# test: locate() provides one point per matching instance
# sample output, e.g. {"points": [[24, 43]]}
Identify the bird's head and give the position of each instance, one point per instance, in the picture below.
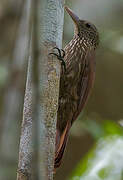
{"points": [[84, 29]]}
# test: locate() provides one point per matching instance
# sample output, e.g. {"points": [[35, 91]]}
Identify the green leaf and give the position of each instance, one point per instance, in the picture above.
{"points": [[105, 160]]}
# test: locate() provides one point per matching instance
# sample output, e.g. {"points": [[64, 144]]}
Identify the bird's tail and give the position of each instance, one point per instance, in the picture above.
{"points": [[61, 141]]}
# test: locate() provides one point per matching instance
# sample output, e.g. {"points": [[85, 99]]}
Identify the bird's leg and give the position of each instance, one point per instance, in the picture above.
{"points": [[60, 56]]}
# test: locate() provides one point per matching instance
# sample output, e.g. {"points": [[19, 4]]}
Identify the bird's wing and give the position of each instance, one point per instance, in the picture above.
{"points": [[83, 90], [86, 81]]}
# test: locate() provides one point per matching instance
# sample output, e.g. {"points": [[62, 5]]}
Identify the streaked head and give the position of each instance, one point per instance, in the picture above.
{"points": [[84, 29]]}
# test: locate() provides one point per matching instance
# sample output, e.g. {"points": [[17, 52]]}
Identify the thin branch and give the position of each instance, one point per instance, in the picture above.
{"points": [[13, 99]]}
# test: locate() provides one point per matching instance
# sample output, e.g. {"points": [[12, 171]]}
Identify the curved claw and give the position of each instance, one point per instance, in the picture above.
{"points": [[63, 53], [54, 54], [60, 56], [58, 51], [63, 64]]}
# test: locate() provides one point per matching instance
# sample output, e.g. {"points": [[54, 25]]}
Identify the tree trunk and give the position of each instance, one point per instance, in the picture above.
{"points": [[37, 143]]}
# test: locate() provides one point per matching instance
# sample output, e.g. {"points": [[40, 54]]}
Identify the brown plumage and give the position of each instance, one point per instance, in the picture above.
{"points": [[77, 81]]}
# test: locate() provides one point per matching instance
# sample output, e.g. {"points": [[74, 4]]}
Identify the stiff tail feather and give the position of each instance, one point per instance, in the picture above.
{"points": [[60, 145]]}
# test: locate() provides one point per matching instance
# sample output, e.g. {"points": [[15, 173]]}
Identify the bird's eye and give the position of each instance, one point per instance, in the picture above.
{"points": [[87, 25]]}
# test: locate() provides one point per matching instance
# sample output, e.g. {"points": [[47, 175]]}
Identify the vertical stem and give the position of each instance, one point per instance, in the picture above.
{"points": [[42, 91], [51, 28], [13, 99]]}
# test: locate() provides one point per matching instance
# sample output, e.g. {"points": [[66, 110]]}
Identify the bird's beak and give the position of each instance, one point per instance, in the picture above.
{"points": [[74, 17]]}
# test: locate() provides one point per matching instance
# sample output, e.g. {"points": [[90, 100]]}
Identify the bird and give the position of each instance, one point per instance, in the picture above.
{"points": [[76, 79]]}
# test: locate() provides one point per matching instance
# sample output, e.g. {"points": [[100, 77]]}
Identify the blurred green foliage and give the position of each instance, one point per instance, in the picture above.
{"points": [[105, 159], [106, 128]]}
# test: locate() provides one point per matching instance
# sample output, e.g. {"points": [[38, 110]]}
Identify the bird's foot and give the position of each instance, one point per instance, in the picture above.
{"points": [[60, 56]]}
